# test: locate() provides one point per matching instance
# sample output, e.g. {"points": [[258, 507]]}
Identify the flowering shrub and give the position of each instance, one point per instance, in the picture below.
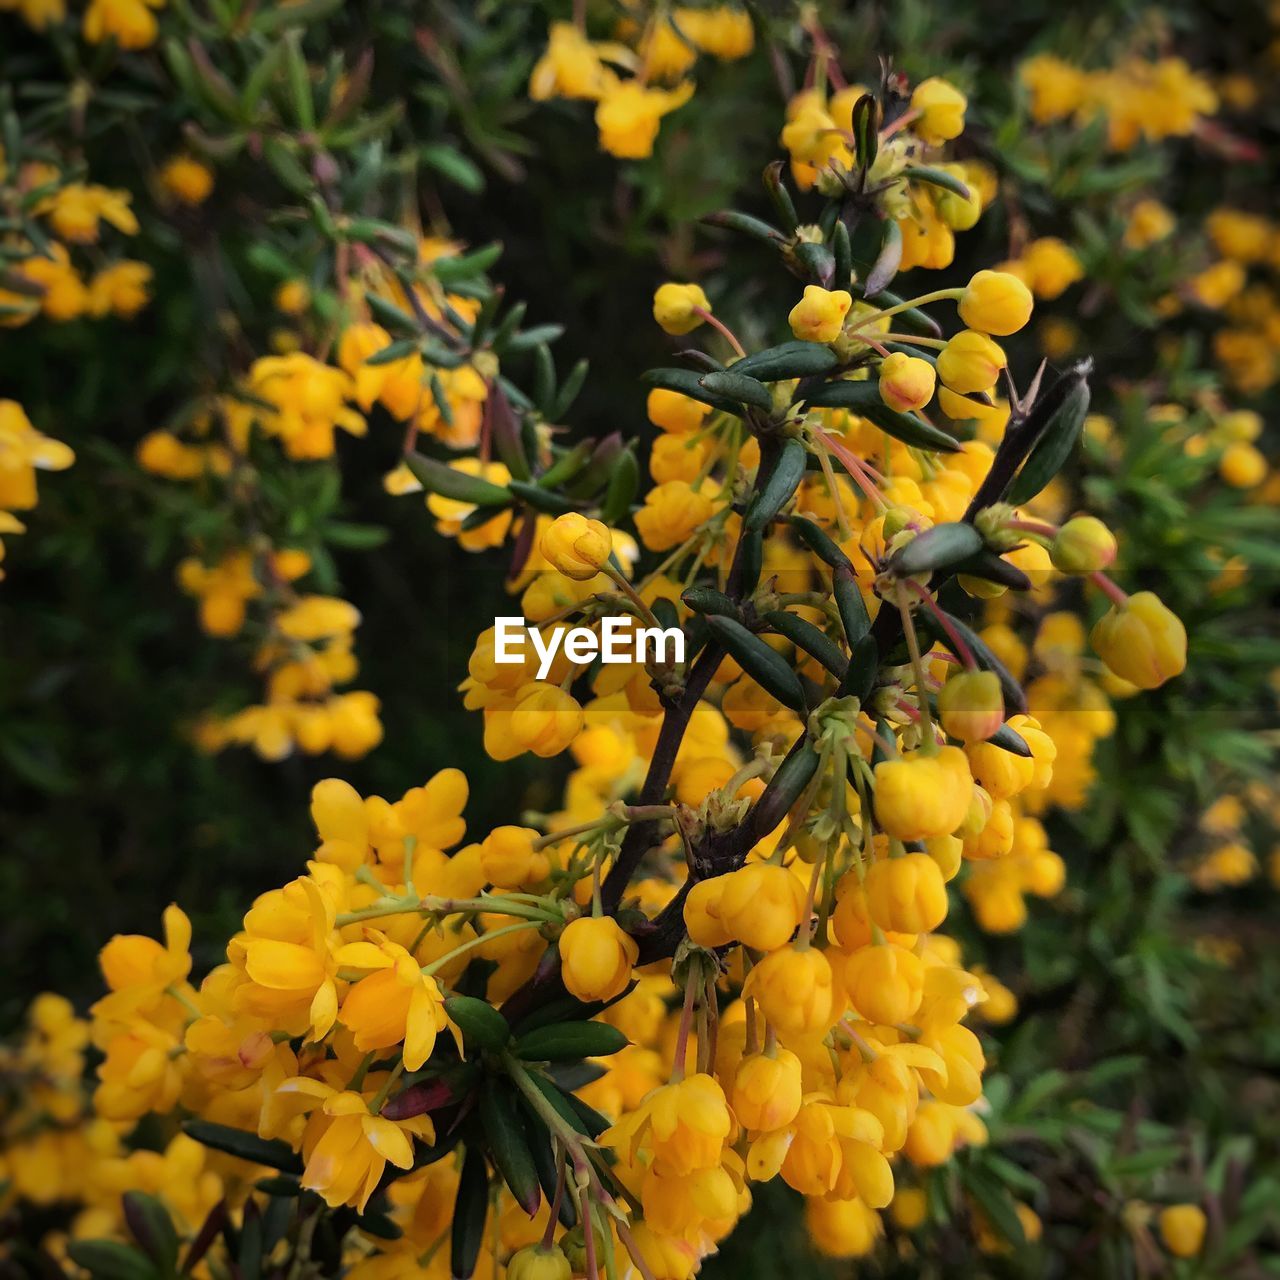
{"points": [[961, 630]]}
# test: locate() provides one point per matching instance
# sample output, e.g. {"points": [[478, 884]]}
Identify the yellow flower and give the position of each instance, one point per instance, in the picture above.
{"points": [[906, 382], [596, 956], [1141, 641], [1052, 266], [570, 67], [1057, 88], [539, 1262], [684, 1124], [970, 362], [23, 452], [919, 796], [1182, 1228], [671, 411], [671, 513], [138, 970], [509, 859], [292, 297], [285, 953], [39, 15], [724, 32], [308, 403], [187, 178], [1083, 545], [579, 548], [544, 719], [819, 315], [941, 106], [345, 1147], [395, 1004], [1149, 223], [794, 990], [74, 211], [674, 307], [760, 905], [122, 288], [885, 983], [996, 302], [628, 115], [130, 23], [906, 894], [971, 706], [767, 1090]]}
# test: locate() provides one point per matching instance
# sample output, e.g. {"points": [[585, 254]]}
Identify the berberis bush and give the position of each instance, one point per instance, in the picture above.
{"points": [[890, 908]]}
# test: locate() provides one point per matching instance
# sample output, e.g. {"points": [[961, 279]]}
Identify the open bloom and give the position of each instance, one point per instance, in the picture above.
{"points": [[346, 1147]]}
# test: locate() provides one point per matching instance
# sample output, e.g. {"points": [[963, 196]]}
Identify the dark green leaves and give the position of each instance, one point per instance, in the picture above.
{"points": [[245, 1146], [689, 383], [482, 1026], [469, 1210], [779, 488], [738, 386], [941, 547], [787, 360], [505, 1134], [570, 1041], [1056, 439], [439, 477], [766, 667]]}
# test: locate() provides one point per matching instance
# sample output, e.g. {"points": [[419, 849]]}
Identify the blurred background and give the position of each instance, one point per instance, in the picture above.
{"points": [[1145, 989]]}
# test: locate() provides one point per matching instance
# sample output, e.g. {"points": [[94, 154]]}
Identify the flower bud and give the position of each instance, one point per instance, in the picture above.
{"points": [[941, 106], [906, 382], [1083, 545], [920, 796], [539, 1262], [767, 1091], [545, 719], [509, 860], [760, 905], [1141, 641], [907, 894], [578, 547], [673, 307], [793, 989], [971, 706], [819, 315], [996, 302], [1182, 1229], [884, 983], [596, 956], [970, 362]]}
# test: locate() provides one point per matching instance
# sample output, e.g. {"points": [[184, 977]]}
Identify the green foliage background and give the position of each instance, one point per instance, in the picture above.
{"points": [[1135, 1067]]}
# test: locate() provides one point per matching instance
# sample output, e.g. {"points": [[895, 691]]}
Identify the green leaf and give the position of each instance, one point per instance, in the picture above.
{"points": [[795, 359], [780, 487], [504, 1132], [460, 170], [110, 1260], [938, 178], [243, 1145], [150, 1225], [689, 383], [765, 666], [439, 477], [570, 1041], [740, 387], [940, 547], [482, 1026]]}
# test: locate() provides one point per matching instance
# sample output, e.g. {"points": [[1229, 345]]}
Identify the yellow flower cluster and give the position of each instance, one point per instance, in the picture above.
{"points": [[46, 280], [1137, 98], [627, 77], [130, 24]]}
